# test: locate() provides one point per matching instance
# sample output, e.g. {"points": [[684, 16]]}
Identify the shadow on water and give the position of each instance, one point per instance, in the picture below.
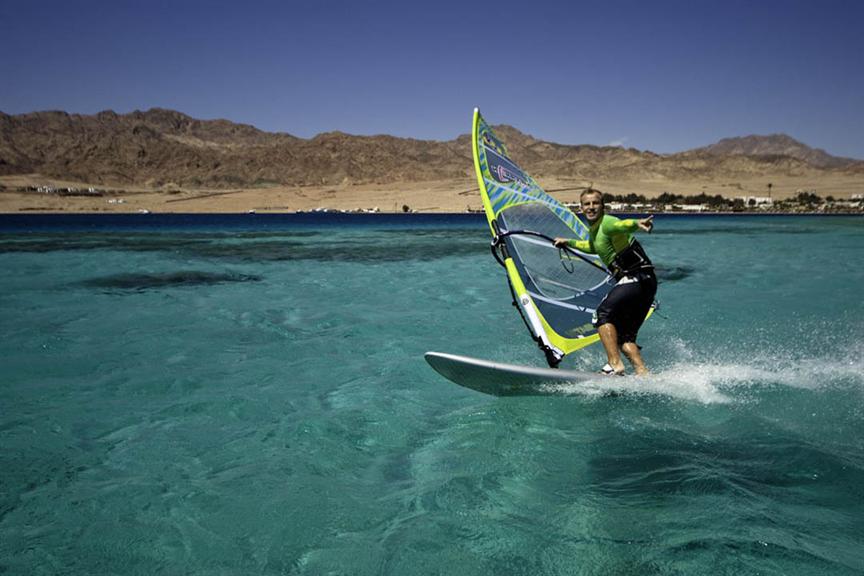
{"points": [[673, 273], [141, 282]]}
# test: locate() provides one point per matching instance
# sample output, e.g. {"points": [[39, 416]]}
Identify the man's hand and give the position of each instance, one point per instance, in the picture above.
{"points": [[560, 242], [646, 224]]}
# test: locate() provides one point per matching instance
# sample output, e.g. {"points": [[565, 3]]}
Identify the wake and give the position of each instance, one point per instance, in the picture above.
{"points": [[707, 382]]}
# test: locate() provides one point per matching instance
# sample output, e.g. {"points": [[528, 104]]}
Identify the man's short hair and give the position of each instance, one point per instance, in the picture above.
{"points": [[591, 191]]}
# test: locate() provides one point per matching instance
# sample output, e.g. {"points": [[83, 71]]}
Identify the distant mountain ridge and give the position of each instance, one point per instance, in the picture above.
{"points": [[776, 145], [165, 148]]}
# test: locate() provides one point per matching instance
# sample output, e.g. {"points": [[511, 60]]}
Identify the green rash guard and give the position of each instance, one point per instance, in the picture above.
{"points": [[607, 237]]}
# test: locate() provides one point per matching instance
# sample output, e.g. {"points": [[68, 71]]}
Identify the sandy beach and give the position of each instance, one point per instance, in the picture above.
{"points": [[454, 195]]}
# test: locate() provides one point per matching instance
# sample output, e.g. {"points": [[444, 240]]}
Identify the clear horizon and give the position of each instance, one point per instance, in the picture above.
{"points": [[664, 77]]}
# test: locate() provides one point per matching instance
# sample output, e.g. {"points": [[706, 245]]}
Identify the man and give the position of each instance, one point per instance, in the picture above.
{"points": [[625, 307]]}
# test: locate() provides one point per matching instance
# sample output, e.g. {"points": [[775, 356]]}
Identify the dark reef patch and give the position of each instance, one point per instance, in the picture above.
{"points": [[141, 282], [422, 245]]}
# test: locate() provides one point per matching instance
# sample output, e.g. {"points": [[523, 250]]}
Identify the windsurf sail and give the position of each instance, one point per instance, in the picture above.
{"points": [[556, 290]]}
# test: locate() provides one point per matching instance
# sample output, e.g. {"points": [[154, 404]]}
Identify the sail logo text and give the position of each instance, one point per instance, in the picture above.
{"points": [[505, 174]]}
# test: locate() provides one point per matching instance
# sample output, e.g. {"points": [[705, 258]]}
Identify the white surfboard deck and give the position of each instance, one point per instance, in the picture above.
{"points": [[500, 379]]}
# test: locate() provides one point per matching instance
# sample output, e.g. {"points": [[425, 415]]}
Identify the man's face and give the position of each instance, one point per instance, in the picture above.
{"points": [[592, 207]]}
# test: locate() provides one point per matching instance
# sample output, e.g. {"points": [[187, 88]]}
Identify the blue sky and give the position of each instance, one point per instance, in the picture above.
{"points": [[656, 75]]}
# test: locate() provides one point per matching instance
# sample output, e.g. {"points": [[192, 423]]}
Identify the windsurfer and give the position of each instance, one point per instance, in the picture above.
{"points": [[621, 313]]}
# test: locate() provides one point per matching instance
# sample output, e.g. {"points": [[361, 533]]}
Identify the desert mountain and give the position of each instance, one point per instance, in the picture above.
{"points": [[163, 148], [776, 145]]}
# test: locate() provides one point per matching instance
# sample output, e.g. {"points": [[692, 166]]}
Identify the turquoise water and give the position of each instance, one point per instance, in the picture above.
{"points": [[249, 396]]}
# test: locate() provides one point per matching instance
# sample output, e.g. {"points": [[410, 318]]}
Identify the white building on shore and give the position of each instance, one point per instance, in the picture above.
{"points": [[758, 201]]}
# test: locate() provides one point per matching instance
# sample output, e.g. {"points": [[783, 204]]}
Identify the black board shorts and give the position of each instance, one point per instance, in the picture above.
{"points": [[627, 304]]}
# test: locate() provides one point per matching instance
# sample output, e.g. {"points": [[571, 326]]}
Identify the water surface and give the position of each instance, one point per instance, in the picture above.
{"points": [[235, 395]]}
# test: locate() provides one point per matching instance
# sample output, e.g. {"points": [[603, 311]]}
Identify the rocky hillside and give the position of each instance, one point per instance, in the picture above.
{"points": [[164, 149], [776, 145]]}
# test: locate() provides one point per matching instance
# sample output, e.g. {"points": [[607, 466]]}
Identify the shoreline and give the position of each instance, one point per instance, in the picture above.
{"points": [[22, 195]]}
